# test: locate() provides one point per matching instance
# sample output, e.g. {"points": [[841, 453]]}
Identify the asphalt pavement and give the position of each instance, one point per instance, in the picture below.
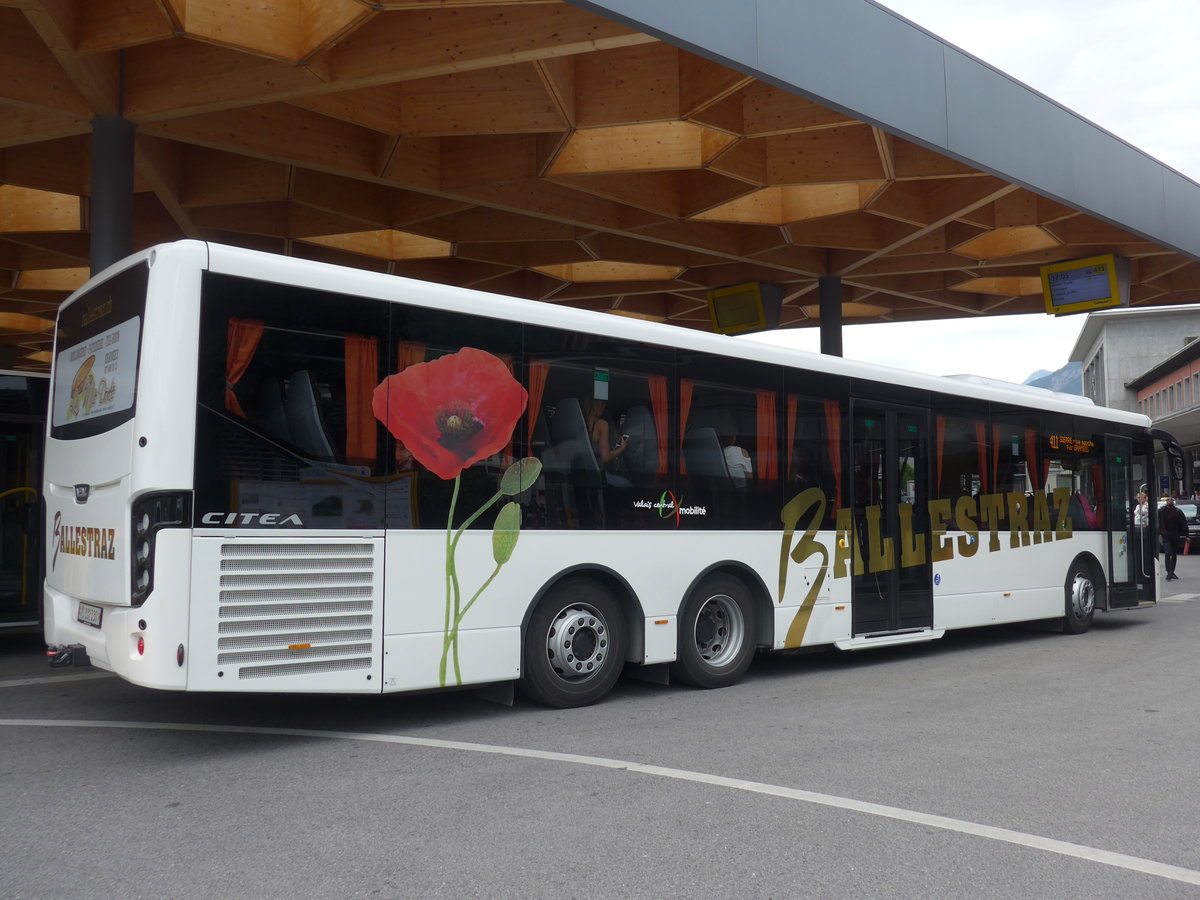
{"points": [[995, 763]]}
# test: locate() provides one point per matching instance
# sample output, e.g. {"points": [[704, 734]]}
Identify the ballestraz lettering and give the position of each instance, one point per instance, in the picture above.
{"points": [[83, 540]]}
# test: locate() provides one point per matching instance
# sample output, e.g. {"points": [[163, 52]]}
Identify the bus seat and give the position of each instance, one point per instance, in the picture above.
{"points": [[704, 456], [641, 457], [304, 419], [269, 412], [570, 444]]}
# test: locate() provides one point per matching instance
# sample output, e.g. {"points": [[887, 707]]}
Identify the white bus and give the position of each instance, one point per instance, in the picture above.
{"points": [[268, 474]]}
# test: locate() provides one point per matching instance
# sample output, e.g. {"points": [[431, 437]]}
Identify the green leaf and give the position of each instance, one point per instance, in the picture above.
{"points": [[506, 532], [520, 476]]}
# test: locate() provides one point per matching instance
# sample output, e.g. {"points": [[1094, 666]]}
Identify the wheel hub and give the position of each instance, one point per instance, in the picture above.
{"points": [[1083, 596], [577, 643], [719, 631]]}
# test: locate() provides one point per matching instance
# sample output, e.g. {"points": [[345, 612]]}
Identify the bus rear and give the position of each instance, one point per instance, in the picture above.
{"points": [[117, 515]]}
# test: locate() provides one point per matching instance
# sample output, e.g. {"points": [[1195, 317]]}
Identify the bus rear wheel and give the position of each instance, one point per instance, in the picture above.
{"points": [[574, 646], [1080, 600], [717, 630]]}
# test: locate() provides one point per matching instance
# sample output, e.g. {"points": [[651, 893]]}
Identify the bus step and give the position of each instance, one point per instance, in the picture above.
{"points": [[890, 639]]}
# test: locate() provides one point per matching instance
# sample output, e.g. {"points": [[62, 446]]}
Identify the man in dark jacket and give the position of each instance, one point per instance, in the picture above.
{"points": [[1172, 525]]}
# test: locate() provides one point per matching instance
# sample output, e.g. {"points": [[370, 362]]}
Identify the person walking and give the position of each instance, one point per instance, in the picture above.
{"points": [[1173, 527]]}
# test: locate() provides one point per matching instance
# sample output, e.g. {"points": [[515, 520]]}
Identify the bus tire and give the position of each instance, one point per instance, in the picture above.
{"points": [[574, 645], [717, 633], [1080, 600]]}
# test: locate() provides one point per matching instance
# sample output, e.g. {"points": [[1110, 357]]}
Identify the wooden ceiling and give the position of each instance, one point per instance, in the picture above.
{"points": [[524, 147]]}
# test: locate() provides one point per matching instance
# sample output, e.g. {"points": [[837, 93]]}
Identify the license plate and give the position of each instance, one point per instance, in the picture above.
{"points": [[90, 615]]}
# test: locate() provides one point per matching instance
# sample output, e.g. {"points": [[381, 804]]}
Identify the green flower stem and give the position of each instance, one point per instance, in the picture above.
{"points": [[454, 614], [458, 619], [451, 579]]}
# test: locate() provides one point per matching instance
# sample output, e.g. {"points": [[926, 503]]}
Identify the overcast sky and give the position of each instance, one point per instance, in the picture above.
{"points": [[1130, 66]]}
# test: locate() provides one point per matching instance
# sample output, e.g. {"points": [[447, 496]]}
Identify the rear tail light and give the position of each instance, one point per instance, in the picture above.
{"points": [[150, 514]]}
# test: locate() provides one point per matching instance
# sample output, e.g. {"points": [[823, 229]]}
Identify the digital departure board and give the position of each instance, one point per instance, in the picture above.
{"points": [[1082, 285]]}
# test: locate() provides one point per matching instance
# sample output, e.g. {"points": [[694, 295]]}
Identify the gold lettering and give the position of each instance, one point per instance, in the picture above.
{"points": [[1062, 503], [912, 545], [808, 500], [1018, 519], [940, 511], [1041, 518], [881, 552], [965, 511], [991, 511]]}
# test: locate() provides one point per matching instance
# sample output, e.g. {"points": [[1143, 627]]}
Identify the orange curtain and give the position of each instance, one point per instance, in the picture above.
{"points": [[241, 341], [362, 374], [833, 436], [793, 405], [685, 406], [1031, 465], [408, 353], [768, 443], [940, 437], [658, 406], [537, 372], [981, 450]]}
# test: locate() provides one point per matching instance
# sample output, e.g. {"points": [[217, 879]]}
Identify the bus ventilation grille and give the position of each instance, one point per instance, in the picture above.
{"points": [[296, 609]]}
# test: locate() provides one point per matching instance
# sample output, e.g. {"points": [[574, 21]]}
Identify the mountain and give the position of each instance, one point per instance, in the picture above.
{"points": [[1067, 380]]}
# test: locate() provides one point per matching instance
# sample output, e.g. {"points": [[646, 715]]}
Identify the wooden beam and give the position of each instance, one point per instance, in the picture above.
{"points": [[504, 100], [657, 192], [52, 165], [29, 210], [377, 108], [20, 126], [282, 133], [105, 25], [30, 76], [368, 204], [703, 83], [768, 110], [828, 156], [97, 76], [524, 254], [558, 79], [157, 162], [215, 178], [631, 84], [477, 226]]}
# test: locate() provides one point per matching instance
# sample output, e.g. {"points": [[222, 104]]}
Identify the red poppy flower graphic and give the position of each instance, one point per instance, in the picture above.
{"points": [[453, 411]]}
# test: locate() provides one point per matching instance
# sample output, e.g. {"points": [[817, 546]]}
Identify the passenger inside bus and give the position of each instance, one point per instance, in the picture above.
{"points": [[601, 430]]}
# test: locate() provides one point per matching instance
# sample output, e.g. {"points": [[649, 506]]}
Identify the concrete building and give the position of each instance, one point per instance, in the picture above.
{"points": [[1148, 361]]}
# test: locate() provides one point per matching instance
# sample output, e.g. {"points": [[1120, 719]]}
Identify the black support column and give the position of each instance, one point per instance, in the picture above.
{"points": [[830, 287], [110, 220]]}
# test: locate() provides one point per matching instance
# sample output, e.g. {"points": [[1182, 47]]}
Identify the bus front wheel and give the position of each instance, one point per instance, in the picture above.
{"points": [[717, 634], [1080, 598], [574, 645]]}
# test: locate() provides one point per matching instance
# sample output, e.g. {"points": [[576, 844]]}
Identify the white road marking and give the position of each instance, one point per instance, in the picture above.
{"points": [[52, 679], [1033, 841]]}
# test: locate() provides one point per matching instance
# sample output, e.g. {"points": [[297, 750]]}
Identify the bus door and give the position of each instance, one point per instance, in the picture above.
{"points": [[20, 532], [1131, 547], [890, 446]]}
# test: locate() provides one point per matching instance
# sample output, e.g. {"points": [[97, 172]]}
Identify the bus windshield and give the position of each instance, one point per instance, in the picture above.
{"points": [[96, 365]]}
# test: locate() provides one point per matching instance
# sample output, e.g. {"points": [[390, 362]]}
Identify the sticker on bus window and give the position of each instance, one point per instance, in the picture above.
{"points": [[97, 376]]}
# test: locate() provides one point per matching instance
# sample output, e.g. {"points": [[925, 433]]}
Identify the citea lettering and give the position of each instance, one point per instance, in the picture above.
{"points": [[82, 540], [266, 520]]}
